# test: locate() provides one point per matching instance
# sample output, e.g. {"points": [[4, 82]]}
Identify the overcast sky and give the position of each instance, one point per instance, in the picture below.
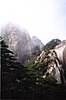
{"points": [[45, 19]]}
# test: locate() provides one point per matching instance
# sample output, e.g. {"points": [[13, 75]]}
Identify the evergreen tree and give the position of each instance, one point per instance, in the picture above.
{"points": [[12, 72]]}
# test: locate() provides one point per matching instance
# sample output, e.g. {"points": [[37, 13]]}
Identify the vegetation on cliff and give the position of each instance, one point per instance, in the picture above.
{"points": [[25, 81]]}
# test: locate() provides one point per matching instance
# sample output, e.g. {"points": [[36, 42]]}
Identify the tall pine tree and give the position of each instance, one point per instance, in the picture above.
{"points": [[12, 73]]}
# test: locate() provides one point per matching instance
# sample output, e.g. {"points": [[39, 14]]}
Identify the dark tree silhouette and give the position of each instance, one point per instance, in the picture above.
{"points": [[12, 73]]}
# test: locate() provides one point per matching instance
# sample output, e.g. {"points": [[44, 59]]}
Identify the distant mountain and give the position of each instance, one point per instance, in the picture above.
{"points": [[19, 41], [51, 44], [37, 42]]}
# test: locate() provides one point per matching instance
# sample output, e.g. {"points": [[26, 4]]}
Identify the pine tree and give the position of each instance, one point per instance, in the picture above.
{"points": [[12, 73]]}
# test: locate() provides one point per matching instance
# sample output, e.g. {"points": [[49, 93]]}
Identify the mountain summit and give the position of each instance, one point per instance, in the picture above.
{"points": [[19, 41]]}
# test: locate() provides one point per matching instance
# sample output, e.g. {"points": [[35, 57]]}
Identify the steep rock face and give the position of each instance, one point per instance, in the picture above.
{"points": [[64, 55], [56, 62], [18, 41], [60, 50], [41, 57], [64, 61], [37, 42]]}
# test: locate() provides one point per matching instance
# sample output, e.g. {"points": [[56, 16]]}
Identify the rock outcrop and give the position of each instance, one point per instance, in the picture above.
{"points": [[60, 51], [56, 62], [64, 56], [41, 57]]}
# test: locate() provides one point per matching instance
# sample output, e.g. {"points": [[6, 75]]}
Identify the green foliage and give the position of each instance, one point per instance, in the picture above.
{"points": [[50, 80], [51, 44], [26, 83]]}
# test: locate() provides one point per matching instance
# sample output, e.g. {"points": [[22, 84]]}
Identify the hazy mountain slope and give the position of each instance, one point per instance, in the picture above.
{"points": [[19, 41], [37, 42]]}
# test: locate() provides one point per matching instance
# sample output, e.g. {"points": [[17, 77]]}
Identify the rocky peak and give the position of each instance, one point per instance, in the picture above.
{"points": [[37, 42], [19, 41]]}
